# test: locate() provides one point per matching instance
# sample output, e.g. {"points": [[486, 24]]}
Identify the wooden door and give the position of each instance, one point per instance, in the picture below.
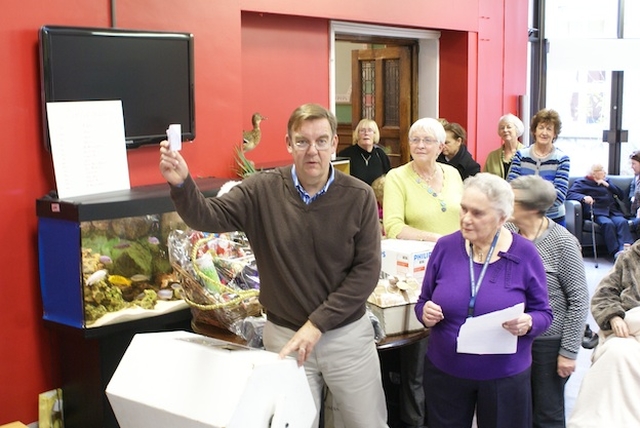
{"points": [[382, 91]]}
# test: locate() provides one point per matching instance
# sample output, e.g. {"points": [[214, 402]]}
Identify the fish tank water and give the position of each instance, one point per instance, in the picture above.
{"points": [[126, 270]]}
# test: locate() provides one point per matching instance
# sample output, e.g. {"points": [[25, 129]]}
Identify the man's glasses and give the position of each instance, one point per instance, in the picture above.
{"points": [[319, 145]]}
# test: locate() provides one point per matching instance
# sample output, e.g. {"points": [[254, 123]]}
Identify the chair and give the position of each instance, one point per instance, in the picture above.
{"points": [[579, 220]]}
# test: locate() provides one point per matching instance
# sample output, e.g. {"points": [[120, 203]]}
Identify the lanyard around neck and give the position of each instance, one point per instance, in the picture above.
{"points": [[476, 286]]}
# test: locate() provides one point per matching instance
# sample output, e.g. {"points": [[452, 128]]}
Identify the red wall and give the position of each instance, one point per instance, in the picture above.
{"points": [[455, 90], [27, 354], [251, 55], [284, 64]]}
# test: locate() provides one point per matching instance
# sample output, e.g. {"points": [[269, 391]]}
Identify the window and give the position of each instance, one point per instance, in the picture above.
{"points": [[583, 52]]}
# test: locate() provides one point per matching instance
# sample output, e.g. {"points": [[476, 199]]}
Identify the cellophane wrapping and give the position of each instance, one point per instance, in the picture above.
{"points": [[219, 277]]}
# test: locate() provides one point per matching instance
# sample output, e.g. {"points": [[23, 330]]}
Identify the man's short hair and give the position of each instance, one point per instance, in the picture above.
{"points": [[311, 112]]}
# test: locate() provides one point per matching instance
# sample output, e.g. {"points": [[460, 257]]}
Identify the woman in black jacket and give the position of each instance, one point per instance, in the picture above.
{"points": [[367, 160], [455, 151]]}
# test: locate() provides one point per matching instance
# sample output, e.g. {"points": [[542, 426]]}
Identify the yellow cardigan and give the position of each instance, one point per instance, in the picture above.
{"points": [[407, 202]]}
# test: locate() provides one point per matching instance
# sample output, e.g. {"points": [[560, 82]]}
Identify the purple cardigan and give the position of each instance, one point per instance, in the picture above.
{"points": [[518, 276]]}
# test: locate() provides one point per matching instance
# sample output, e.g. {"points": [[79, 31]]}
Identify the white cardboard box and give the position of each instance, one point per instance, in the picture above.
{"points": [[397, 319], [181, 379], [403, 257]]}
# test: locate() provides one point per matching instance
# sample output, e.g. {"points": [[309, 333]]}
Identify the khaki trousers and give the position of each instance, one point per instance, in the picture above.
{"points": [[346, 360]]}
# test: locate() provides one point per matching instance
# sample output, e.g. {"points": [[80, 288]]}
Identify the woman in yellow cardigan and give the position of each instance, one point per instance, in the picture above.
{"points": [[510, 128], [422, 197]]}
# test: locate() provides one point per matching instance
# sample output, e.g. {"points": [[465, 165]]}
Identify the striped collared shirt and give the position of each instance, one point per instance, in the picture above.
{"points": [[306, 198]]}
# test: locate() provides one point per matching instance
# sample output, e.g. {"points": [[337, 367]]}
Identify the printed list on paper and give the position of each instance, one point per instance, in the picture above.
{"points": [[88, 147]]}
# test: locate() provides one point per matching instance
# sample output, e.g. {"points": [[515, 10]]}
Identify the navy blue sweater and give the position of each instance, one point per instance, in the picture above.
{"points": [[604, 203]]}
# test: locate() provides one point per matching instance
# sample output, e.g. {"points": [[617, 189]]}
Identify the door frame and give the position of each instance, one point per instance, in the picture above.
{"points": [[428, 60]]}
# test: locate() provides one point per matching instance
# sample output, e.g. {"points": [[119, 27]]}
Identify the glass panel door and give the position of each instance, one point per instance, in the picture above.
{"points": [[579, 87], [630, 122], [592, 75], [582, 98]]}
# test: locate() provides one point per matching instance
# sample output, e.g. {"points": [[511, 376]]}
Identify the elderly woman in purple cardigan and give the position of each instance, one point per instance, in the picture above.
{"points": [[481, 269]]}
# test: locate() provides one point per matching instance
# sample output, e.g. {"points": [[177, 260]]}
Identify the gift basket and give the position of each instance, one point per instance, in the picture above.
{"points": [[219, 278]]}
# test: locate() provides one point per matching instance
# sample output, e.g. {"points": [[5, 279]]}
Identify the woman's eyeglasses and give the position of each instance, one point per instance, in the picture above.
{"points": [[415, 141]]}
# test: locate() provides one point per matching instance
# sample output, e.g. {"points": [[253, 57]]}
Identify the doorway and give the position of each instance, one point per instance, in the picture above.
{"points": [[383, 89], [401, 66]]}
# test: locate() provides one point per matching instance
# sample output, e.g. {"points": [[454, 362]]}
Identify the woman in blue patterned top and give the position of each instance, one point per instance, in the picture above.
{"points": [[544, 159]]}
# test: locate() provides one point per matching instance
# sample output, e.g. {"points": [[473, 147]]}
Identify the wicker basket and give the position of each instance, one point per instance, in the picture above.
{"points": [[205, 309]]}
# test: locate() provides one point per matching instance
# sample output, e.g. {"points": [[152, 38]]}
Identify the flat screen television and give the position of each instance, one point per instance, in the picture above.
{"points": [[150, 71]]}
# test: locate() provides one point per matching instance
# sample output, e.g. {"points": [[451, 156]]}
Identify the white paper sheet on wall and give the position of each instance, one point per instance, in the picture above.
{"points": [[88, 147]]}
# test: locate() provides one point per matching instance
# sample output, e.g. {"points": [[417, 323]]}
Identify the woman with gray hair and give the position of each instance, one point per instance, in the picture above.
{"points": [[510, 128], [555, 351], [422, 197], [479, 270]]}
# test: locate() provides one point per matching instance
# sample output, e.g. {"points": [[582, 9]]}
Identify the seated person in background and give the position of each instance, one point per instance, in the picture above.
{"points": [[610, 389], [597, 191], [367, 161], [634, 190], [455, 151]]}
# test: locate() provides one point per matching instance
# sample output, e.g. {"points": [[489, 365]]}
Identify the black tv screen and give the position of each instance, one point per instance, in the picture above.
{"points": [[150, 71]]}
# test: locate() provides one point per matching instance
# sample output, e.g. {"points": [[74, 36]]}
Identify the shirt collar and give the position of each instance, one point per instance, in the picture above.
{"points": [[306, 198]]}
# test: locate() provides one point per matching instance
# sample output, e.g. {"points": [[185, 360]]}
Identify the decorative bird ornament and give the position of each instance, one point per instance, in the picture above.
{"points": [[250, 139]]}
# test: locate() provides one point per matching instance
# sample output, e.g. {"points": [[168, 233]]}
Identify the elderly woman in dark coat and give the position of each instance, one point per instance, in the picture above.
{"points": [[455, 151]]}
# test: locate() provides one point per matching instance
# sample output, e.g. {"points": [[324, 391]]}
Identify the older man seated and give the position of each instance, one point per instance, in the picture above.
{"points": [[597, 191]]}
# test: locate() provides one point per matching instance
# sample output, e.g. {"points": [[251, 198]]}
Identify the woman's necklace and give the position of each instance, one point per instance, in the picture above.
{"points": [[544, 220], [426, 184], [366, 159], [540, 155], [539, 231], [507, 158]]}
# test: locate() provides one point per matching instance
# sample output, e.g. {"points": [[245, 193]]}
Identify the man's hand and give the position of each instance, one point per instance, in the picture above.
{"points": [[303, 341], [588, 200], [172, 165]]}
